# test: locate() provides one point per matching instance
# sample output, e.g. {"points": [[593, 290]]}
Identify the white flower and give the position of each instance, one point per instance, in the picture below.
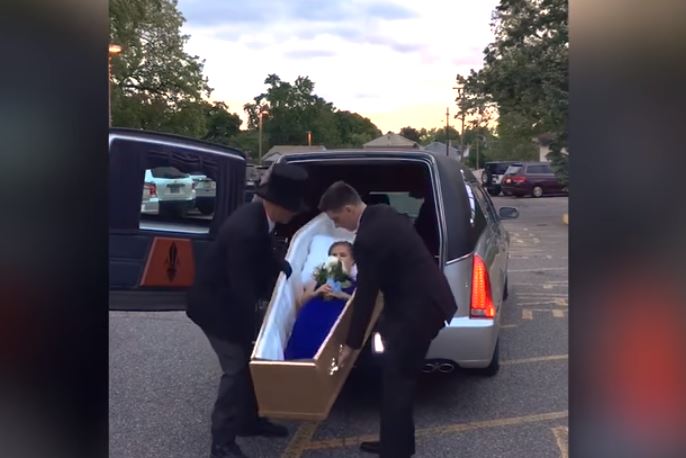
{"points": [[331, 261]]}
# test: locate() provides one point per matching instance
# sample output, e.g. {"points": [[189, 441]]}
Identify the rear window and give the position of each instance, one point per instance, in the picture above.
{"points": [[542, 168], [170, 173], [497, 169], [403, 202], [513, 169]]}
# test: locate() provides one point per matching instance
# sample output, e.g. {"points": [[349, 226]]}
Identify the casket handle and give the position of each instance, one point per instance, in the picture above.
{"points": [[334, 367]]}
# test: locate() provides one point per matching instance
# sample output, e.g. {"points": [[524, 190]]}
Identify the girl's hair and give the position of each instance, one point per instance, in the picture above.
{"points": [[340, 243]]}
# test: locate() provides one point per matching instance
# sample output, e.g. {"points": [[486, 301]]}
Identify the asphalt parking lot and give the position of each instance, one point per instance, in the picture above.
{"points": [[163, 375]]}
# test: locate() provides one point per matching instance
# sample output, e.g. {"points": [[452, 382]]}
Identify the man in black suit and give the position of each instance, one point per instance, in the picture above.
{"points": [[392, 258], [239, 268]]}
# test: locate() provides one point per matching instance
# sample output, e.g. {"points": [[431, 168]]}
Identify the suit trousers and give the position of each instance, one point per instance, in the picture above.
{"points": [[236, 406], [402, 362]]}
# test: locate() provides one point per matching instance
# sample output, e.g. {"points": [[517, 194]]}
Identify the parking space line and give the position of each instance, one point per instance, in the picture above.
{"points": [[444, 429], [538, 269], [528, 313], [537, 359], [301, 439], [562, 437]]}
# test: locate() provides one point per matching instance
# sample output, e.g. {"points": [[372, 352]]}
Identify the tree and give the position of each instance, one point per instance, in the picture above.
{"points": [[439, 135], [524, 77], [221, 124], [355, 130], [410, 133], [293, 109], [156, 85]]}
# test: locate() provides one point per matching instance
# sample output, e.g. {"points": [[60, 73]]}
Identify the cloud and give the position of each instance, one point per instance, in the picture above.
{"points": [[309, 53], [218, 12], [267, 12], [389, 11]]}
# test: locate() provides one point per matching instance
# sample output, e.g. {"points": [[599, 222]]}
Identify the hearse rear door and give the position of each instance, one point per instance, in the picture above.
{"points": [[156, 230]]}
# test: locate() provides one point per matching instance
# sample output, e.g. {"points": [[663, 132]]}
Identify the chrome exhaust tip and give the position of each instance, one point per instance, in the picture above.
{"points": [[429, 368], [446, 368]]}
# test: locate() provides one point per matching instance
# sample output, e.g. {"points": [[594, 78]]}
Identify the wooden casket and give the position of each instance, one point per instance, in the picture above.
{"points": [[301, 389]]}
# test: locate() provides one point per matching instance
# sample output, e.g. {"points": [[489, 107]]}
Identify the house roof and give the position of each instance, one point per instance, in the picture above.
{"points": [[439, 147], [391, 140]]}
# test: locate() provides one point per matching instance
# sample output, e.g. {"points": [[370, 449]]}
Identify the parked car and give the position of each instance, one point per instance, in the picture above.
{"points": [[456, 218], [531, 179], [152, 259], [493, 174], [205, 192], [174, 189], [150, 203]]}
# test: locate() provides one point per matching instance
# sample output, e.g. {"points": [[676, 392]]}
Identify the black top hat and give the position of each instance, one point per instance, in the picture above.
{"points": [[285, 187]]}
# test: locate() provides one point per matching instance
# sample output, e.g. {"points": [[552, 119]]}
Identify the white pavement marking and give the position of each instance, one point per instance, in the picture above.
{"points": [[562, 438], [528, 313], [541, 269]]}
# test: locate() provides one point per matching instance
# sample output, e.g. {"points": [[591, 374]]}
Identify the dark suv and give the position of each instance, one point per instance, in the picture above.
{"points": [[493, 174], [531, 178]]}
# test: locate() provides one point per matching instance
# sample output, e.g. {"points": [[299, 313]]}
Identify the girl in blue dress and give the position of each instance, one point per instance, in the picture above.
{"points": [[320, 307]]}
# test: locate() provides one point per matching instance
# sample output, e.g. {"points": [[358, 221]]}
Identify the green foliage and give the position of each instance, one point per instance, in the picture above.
{"points": [[221, 124], [248, 142], [355, 130], [292, 109], [524, 76], [410, 133], [439, 135]]}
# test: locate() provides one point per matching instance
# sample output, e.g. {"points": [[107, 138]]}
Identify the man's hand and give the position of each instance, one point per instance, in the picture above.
{"points": [[345, 356], [286, 268]]}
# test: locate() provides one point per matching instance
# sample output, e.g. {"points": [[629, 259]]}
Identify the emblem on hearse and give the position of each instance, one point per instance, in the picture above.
{"points": [[172, 261]]}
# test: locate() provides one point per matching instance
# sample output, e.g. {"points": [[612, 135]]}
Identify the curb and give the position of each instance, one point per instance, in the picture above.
{"points": [[565, 218]]}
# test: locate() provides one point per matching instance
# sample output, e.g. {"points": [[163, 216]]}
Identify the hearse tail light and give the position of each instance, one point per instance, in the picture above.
{"points": [[481, 305]]}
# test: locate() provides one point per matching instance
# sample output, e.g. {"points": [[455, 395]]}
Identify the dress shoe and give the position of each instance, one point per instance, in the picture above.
{"points": [[227, 451], [264, 427], [371, 447]]}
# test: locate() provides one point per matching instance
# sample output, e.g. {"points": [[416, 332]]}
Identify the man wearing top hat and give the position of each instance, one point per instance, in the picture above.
{"points": [[237, 270]]}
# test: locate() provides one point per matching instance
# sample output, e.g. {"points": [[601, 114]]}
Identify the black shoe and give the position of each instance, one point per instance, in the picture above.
{"points": [[264, 427], [371, 447], [227, 451]]}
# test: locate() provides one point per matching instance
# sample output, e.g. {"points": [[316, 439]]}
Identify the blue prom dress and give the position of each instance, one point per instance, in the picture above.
{"points": [[315, 320]]}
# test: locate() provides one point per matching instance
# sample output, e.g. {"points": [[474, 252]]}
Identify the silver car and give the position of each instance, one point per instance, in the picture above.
{"points": [[460, 226]]}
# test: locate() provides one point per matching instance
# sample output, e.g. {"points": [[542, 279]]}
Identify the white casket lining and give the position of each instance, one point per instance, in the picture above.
{"points": [[308, 248]]}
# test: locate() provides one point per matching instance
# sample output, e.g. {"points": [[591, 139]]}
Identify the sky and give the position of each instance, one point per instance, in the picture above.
{"points": [[393, 61]]}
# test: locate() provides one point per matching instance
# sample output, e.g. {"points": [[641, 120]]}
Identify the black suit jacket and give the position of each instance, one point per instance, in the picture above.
{"points": [[392, 258], [238, 269]]}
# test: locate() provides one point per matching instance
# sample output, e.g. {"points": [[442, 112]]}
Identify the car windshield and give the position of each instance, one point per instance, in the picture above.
{"points": [[168, 173], [513, 169]]}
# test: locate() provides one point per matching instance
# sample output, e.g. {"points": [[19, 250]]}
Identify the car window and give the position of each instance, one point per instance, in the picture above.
{"points": [[483, 203], [513, 169], [169, 173], [175, 200], [403, 202], [501, 168], [538, 168]]}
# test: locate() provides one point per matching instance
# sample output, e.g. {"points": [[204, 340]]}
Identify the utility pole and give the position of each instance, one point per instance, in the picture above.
{"points": [[460, 96], [447, 132], [259, 139], [261, 111], [477, 152], [113, 50]]}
